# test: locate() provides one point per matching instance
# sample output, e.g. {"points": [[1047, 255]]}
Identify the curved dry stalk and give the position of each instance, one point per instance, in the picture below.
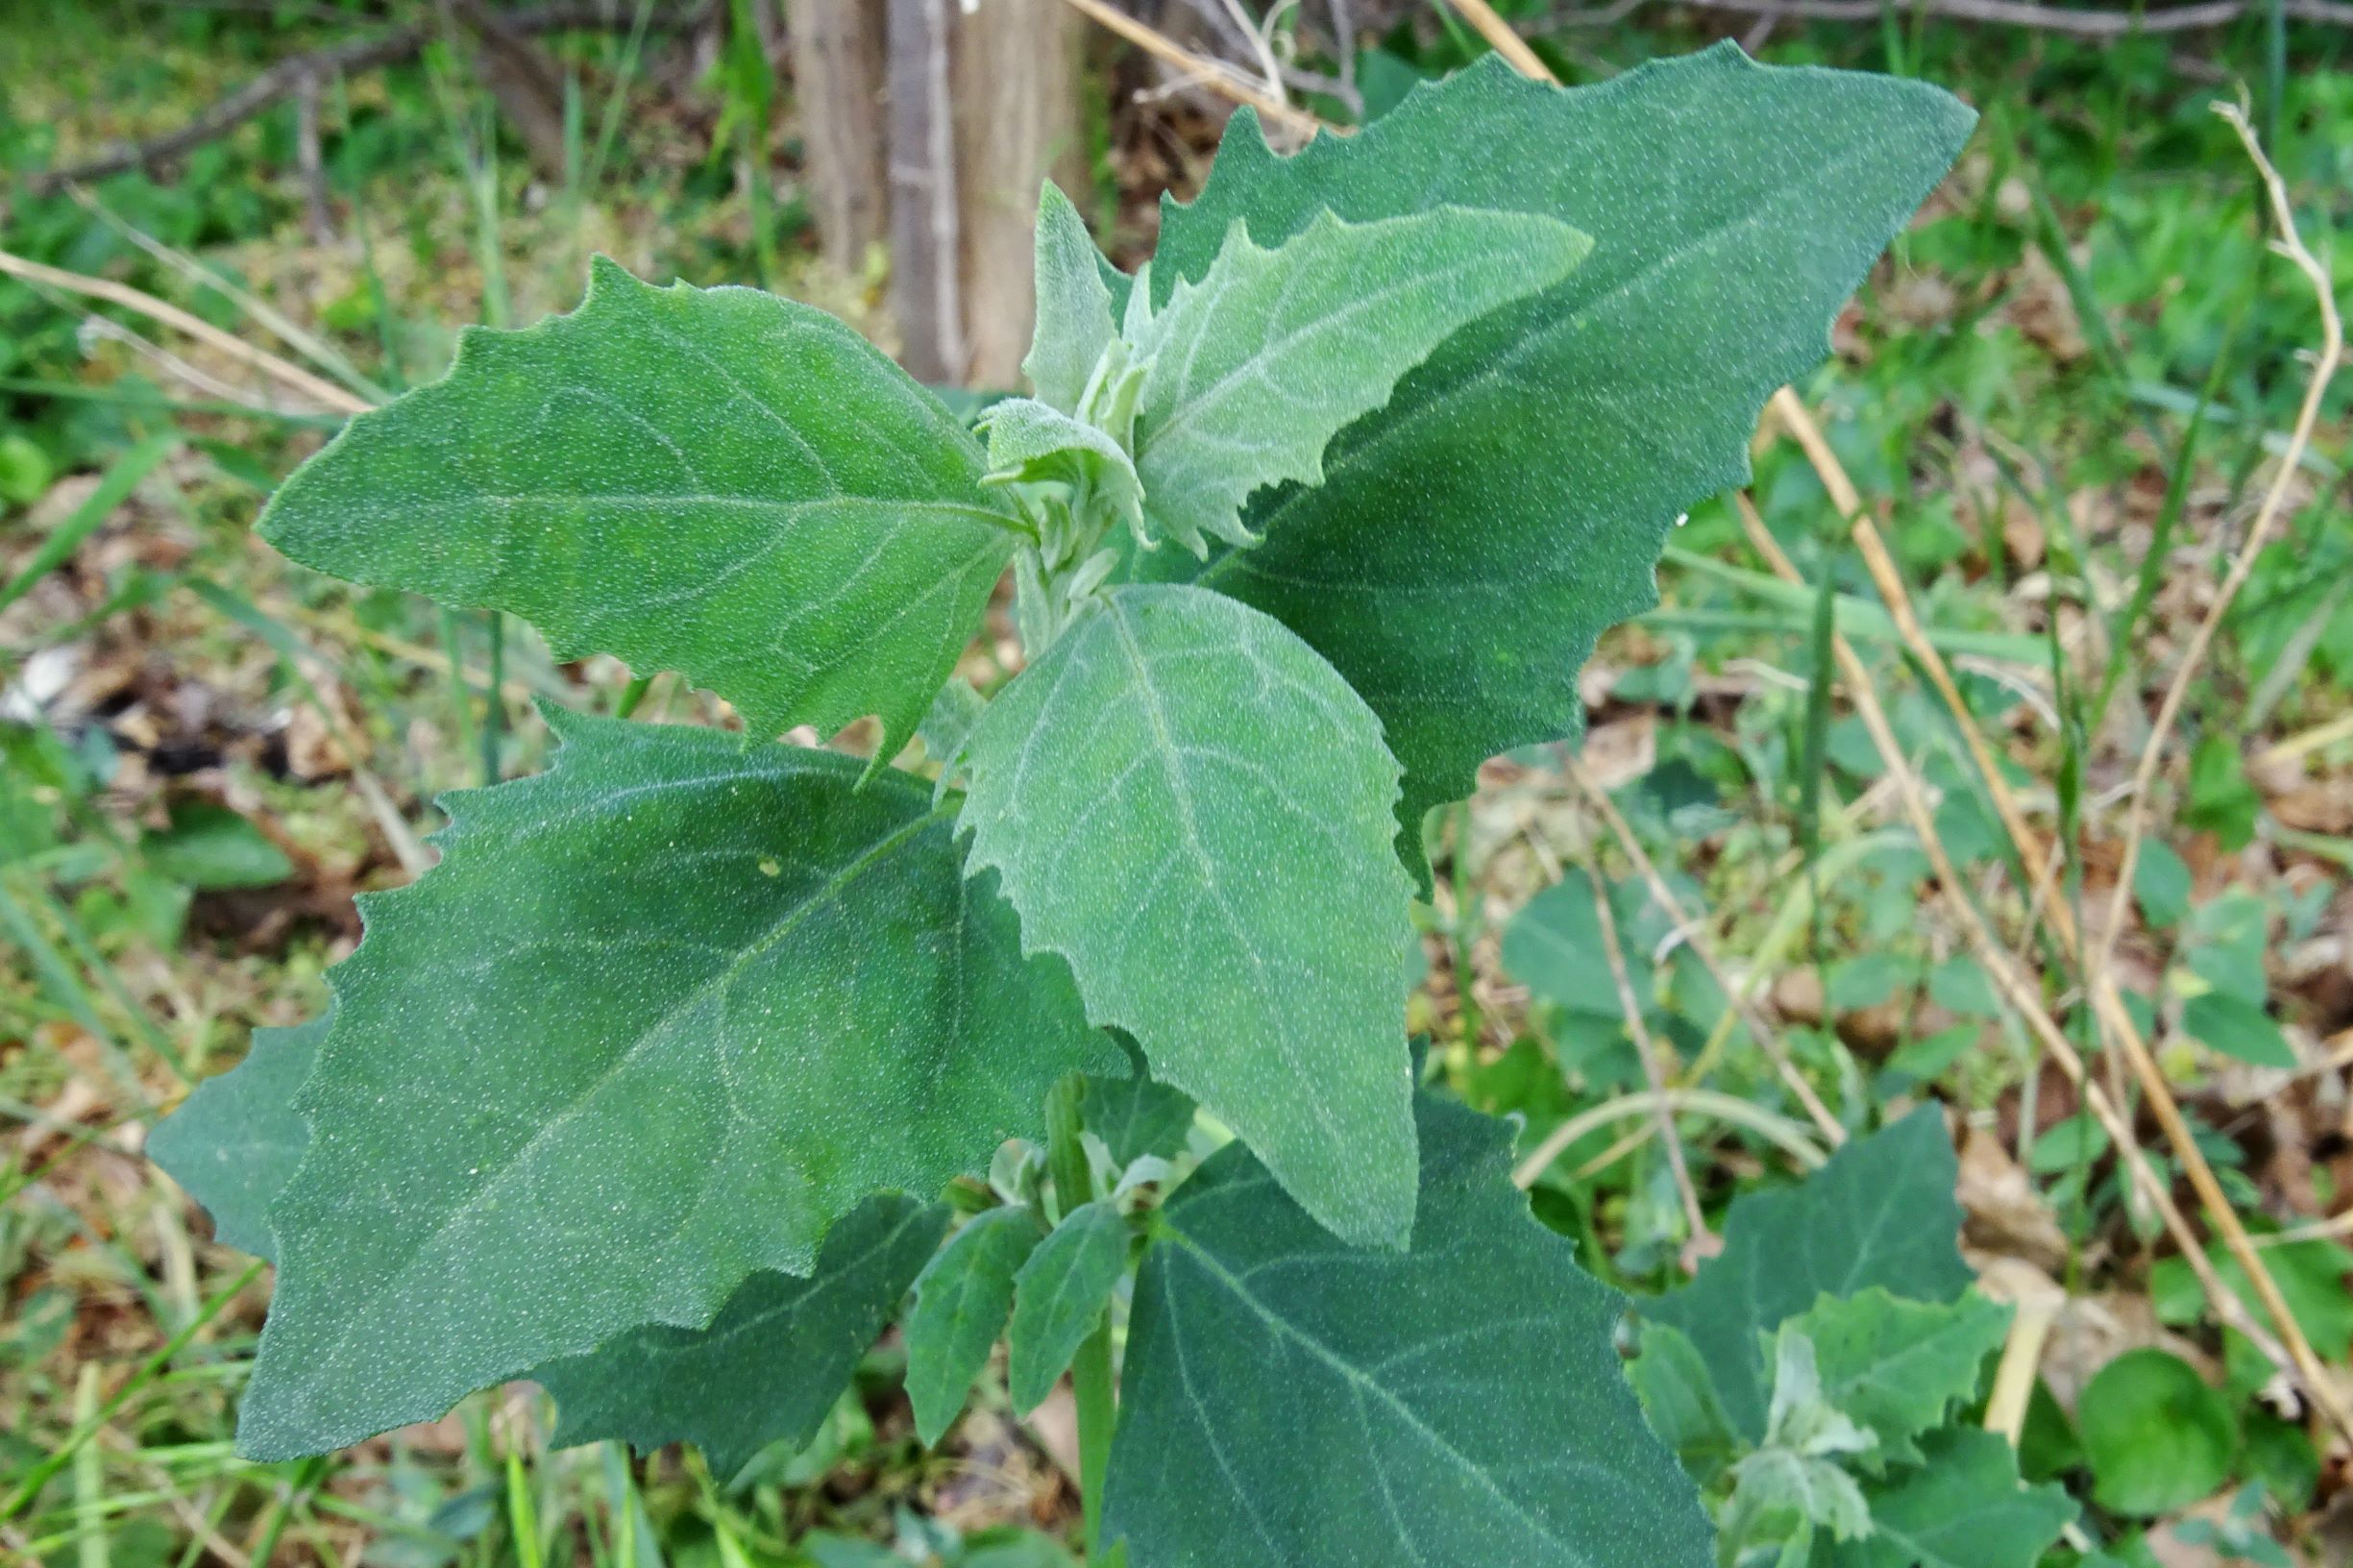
{"points": [[2289, 244], [1736, 997], [1645, 1047], [2021, 993], [326, 394], [1210, 73], [1779, 1131]]}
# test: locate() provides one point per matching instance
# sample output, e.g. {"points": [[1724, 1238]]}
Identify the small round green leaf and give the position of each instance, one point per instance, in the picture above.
{"points": [[2156, 1436]]}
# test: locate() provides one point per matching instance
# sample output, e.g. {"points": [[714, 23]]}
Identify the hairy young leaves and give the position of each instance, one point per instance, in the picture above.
{"points": [[1881, 1213], [1898, 1366], [235, 1142], [1189, 806], [657, 1020], [1290, 1402], [1059, 1297], [962, 1300], [1030, 443], [769, 1365], [1253, 369], [1075, 305], [716, 481], [1473, 536]]}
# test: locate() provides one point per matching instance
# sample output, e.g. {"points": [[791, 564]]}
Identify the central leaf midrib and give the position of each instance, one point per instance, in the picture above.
{"points": [[1165, 748]]}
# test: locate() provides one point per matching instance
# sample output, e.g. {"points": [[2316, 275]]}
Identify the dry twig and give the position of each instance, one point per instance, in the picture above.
{"points": [[288, 77], [1209, 73], [1702, 1241], [1735, 996], [2015, 988], [326, 394]]}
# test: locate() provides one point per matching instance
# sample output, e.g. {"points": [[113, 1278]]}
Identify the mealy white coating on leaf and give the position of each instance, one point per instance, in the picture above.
{"points": [[1253, 369], [660, 1015], [716, 481], [1030, 443], [1074, 315], [1191, 809], [1288, 1402]]}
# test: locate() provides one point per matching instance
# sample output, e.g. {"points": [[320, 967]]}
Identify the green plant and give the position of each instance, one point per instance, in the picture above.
{"points": [[1810, 1377], [645, 1091]]}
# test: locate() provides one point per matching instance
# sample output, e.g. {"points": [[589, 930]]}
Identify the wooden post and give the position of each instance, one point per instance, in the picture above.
{"points": [[926, 293], [838, 55], [1016, 82]]}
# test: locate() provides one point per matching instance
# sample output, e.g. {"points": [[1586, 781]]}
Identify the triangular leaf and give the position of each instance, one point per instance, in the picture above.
{"points": [[1252, 369], [715, 480], [1883, 1213], [1961, 1508], [962, 1300], [1074, 307], [658, 1018], [1288, 1403], [1474, 535], [1059, 1297], [770, 1366], [1898, 1366], [233, 1143], [1192, 809]]}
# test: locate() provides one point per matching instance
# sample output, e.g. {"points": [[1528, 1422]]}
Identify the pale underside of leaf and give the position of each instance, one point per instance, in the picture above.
{"points": [[1189, 806], [716, 481], [1898, 1366], [657, 1020], [1254, 368], [1471, 538], [1074, 312], [1289, 1400]]}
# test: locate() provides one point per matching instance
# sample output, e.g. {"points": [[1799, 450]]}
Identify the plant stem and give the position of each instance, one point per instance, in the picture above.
{"points": [[494, 713], [1091, 1381], [1090, 1373]]}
